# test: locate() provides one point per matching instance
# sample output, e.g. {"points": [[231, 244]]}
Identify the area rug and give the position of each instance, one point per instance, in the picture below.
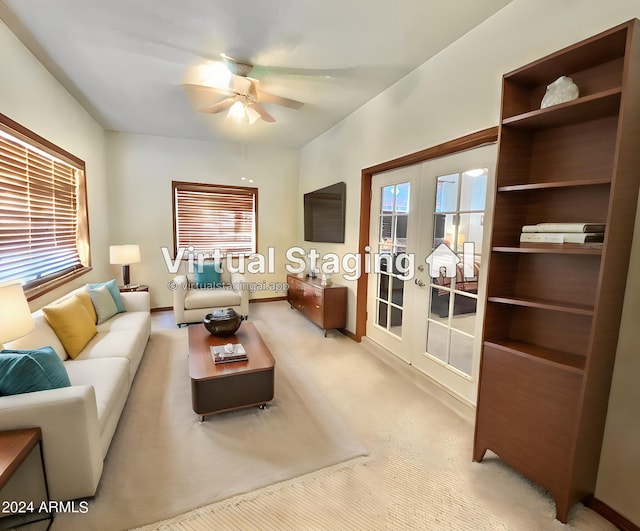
{"points": [[163, 461]]}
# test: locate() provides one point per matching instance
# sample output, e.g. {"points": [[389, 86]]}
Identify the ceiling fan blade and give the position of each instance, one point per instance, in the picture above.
{"points": [[220, 106], [263, 114], [217, 90], [279, 100]]}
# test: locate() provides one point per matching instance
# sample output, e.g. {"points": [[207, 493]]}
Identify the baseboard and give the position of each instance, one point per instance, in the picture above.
{"points": [[610, 514], [162, 309], [350, 335]]}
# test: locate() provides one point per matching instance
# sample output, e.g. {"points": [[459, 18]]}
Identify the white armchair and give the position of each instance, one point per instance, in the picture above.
{"points": [[191, 304]]}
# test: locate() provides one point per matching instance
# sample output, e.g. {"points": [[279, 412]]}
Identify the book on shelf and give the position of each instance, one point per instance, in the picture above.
{"points": [[220, 354], [565, 227], [562, 237]]}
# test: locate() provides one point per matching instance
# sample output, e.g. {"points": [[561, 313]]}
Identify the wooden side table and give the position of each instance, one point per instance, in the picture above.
{"points": [[15, 448], [133, 287]]}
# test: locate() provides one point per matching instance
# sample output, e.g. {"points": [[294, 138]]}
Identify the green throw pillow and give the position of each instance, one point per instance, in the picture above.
{"points": [[208, 276], [26, 371], [103, 303], [115, 293]]}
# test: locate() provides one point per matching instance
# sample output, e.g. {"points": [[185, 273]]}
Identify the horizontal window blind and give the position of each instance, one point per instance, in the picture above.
{"points": [[38, 214], [209, 217]]}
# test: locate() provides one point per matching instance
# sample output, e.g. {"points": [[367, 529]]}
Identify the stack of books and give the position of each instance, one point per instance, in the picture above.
{"points": [[563, 233], [222, 355]]}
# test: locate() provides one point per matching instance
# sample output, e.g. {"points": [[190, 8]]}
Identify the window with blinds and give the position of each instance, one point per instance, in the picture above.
{"points": [[209, 217], [43, 227]]}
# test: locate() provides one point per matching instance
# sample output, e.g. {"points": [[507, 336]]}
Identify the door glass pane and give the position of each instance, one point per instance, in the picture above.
{"points": [[464, 313], [439, 306], [461, 352], [382, 314], [447, 193], [402, 198], [470, 231], [437, 337], [386, 227], [386, 204], [383, 288], [397, 291], [396, 321], [473, 192]]}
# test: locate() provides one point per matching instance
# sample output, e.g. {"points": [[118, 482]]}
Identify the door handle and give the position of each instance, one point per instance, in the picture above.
{"points": [[419, 283]]}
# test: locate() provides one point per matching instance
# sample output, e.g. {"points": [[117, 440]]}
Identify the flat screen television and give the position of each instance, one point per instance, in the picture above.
{"points": [[324, 214]]}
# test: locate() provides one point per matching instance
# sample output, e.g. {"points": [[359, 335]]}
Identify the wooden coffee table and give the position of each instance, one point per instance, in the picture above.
{"points": [[234, 385]]}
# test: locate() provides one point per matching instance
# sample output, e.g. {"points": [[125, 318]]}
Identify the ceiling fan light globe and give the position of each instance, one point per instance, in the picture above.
{"points": [[252, 115], [237, 112]]}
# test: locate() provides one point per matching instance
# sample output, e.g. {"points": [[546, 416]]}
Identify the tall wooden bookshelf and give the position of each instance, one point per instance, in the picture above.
{"points": [[553, 310]]}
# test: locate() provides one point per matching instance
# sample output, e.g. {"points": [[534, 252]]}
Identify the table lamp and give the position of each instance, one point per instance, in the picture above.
{"points": [[124, 255], [15, 315]]}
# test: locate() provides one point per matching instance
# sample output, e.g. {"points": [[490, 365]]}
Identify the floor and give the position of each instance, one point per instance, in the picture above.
{"points": [[419, 473]]}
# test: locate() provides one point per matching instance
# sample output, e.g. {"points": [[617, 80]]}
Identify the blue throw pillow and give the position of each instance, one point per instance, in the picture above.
{"points": [[26, 371], [115, 293], [208, 276]]}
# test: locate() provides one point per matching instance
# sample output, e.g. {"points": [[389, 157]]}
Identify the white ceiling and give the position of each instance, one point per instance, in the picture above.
{"points": [[124, 60]]}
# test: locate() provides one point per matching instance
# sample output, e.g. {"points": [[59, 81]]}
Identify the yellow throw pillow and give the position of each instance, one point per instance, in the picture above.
{"points": [[86, 301], [72, 324]]}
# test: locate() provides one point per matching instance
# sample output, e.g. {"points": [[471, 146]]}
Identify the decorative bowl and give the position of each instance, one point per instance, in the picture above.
{"points": [[223, 323]]}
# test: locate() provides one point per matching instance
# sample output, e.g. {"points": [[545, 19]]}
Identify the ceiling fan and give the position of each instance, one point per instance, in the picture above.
{"points": [[230, 77]]}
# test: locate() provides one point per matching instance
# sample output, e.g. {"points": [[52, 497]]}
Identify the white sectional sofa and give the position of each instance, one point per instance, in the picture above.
{"points": [[78, 422]]}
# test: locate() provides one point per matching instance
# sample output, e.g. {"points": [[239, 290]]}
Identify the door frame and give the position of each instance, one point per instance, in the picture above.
{"points": [[472, 140]]}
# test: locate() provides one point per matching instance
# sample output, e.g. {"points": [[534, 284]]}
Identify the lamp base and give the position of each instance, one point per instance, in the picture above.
{"points": [[125, 275]]}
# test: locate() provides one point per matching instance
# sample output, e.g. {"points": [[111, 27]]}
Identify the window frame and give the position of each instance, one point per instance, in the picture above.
{"points": [[218, 189], [36, 288]]}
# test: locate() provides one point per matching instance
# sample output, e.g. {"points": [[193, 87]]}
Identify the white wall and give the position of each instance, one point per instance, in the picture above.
{"points": [[31, 96], [458, 92], [141, 169]]}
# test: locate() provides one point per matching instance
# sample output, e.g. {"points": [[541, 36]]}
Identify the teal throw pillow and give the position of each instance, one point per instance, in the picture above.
{"points": [[208, 276], [103, 303], [115, 293], [26, 371]]}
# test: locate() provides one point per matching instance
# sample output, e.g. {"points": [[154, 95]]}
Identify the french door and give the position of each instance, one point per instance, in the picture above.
{"points": [[428, 226]]}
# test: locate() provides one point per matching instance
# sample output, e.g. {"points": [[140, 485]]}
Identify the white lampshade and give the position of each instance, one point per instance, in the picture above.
{"points": [[124, 254], [15, 315]]}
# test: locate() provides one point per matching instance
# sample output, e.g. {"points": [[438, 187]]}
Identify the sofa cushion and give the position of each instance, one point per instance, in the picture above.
{"points": [[110, 379], [126, 344], [211, 298], [72, 324], [105, 306], [127, 321], [26, 371], [114, 290]]}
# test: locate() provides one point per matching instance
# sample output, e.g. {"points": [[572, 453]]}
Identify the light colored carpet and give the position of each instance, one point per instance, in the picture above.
{"points": [[163, 461], [419, 474]]}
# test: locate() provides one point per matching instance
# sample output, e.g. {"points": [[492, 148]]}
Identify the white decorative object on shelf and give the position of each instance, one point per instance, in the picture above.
{"points": [[561, 90]]}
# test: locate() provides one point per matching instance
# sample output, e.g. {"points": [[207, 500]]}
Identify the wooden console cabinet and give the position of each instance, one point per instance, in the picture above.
{"points": [[325, 306], [553, 310]]}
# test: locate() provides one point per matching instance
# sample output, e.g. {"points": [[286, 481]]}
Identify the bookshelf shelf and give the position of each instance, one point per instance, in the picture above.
{"points": [[543, 304], [561, 360], [555, 184], [583, 109], [552, 312], [551, 248]]}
